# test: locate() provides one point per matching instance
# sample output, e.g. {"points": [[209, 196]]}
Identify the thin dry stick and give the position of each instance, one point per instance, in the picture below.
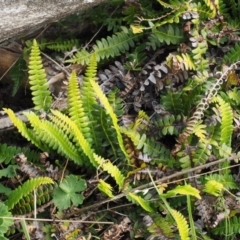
{"points": [[55, 220], [164, 179]]}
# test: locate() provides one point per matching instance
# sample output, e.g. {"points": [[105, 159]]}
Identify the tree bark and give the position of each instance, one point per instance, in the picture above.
{"points": [[23, 17]]}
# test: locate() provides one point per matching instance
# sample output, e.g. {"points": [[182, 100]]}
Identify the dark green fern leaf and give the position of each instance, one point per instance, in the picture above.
{"points": [[172, 102], [61, 45], [17, 194], [110, 47], [169, 34], [232, 227], [7, 153], [116, 102], [26, 204], [233, 54]]}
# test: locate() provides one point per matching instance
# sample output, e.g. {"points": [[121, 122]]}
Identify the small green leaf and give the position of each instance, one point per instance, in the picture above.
{"points": [[9, 171], [4, 190], [184, 190], [67, 192], [4, 223]]}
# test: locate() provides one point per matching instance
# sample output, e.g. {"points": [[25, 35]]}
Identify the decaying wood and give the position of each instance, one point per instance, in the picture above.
{"points": [[22, 17]]}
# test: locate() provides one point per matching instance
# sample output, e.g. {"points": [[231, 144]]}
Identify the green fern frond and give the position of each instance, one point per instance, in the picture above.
{"points": [[172, 102], [78, 136], [186, 60], [109, 110], [53, 136], [148, 146], [200, 50], [234, 96], [227, 121], [142, 202], [169, 34], [213, 5], [89, 103], [204, 11], [153, 41], [38, 80], [161, 226], [201, 155], [7, 153], [113, 46], [200, 131], [233, 227], [157, 150], [25, 205], [135, 137], [24, 130], [75, 107], [113, 170], [61, 45], [182, 224], [105, 133], [25, 189], [167, 124], [186, 189], [233, 54], [105, 188], [213, 187], [116, 102], [227, 180], [141, 122]]}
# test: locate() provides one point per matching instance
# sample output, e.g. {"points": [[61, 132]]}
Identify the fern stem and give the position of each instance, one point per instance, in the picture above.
{"points": [[190, 216]]}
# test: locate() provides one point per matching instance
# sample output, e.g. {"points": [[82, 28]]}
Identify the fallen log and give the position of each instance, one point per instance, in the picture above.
{"points": [[23, 17]]}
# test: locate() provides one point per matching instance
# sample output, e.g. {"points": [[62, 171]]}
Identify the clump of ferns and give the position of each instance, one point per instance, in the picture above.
{"points": [[80, 135]]}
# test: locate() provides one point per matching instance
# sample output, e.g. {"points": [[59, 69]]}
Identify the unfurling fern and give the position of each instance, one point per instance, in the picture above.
{"points": [[17, 194], [38, 80]]}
